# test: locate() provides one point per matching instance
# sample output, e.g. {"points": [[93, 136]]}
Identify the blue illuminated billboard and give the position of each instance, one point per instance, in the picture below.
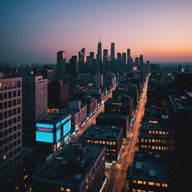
{"points": [[44, 137], [66, 128], [58, 135], [44, 125]]}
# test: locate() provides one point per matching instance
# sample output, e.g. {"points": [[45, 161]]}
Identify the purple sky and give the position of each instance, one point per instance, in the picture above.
{"points": [[33, 31]]}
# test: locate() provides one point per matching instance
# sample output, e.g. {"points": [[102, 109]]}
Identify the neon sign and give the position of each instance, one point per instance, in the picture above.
{"points": [[44, 129]]}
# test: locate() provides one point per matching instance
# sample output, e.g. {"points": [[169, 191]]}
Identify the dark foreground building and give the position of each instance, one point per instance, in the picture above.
{"points": [[149, 172], [77, 168]]}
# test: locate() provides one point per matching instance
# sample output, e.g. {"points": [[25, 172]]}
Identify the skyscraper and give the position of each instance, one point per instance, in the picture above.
{"points": [[124, 59], [10, 130], [35, 104], [61, 65], [82, 60], [112, 52], [128, 56], [99, 56], [73, 67]]}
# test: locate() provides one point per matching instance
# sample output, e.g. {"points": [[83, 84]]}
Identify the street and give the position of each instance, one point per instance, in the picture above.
{"points": [[116, 174]]}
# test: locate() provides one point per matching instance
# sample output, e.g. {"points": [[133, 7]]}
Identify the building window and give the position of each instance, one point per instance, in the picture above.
{"points": [[134, 181], [139, 182], [62, 189], [164, 185], [158, 184], [151, 183]]}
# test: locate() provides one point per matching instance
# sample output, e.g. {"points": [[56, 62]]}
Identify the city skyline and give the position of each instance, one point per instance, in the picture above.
{"points": [[36, 31]]}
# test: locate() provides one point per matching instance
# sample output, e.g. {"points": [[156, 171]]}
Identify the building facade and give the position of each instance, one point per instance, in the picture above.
{"points": [[10, 131]]}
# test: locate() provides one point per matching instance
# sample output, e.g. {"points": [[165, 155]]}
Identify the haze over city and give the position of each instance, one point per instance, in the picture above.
{"points": [[33, 31]]}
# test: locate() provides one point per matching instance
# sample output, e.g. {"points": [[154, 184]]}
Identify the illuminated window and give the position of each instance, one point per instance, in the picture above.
{"points": [[68, 190], [150, 132], [158, 184], [104, 142], [164, 185], [62, 189], [153, 140], [111, 143], [134, 190], [114, 143], [144, 182], [151, 183], [96, 142], [100, 142], [107, 142], [149, 140], [88, 141], [142, 140], [139, 182], [4, 157], [134, 181]]}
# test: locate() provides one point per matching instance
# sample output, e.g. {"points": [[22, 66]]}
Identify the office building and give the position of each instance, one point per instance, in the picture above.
{"points": [[98, 79], [61, 70], [82, 61], [110, 136], [153, 137], [180, 113], [149, 172], [53, 131], [114, 119], [121, 107], [58, 95], [99, 57], [35, 104], [73, 67], [77, 168], [10, 131], [91, 103], [112, 52]]}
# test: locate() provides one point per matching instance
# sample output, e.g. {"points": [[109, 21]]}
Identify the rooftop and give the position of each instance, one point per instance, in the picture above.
{"points": [[54, 118], [102, 132], [149, 167], [181, 102], [71, 165], [112, 116]]}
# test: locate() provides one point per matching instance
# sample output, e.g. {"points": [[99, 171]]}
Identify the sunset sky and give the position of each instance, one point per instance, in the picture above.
{"points": [[34, 30]]}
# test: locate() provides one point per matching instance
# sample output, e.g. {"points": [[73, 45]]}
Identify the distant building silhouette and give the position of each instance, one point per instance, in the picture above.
{"points": [[61, 65], [112, 52]]}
